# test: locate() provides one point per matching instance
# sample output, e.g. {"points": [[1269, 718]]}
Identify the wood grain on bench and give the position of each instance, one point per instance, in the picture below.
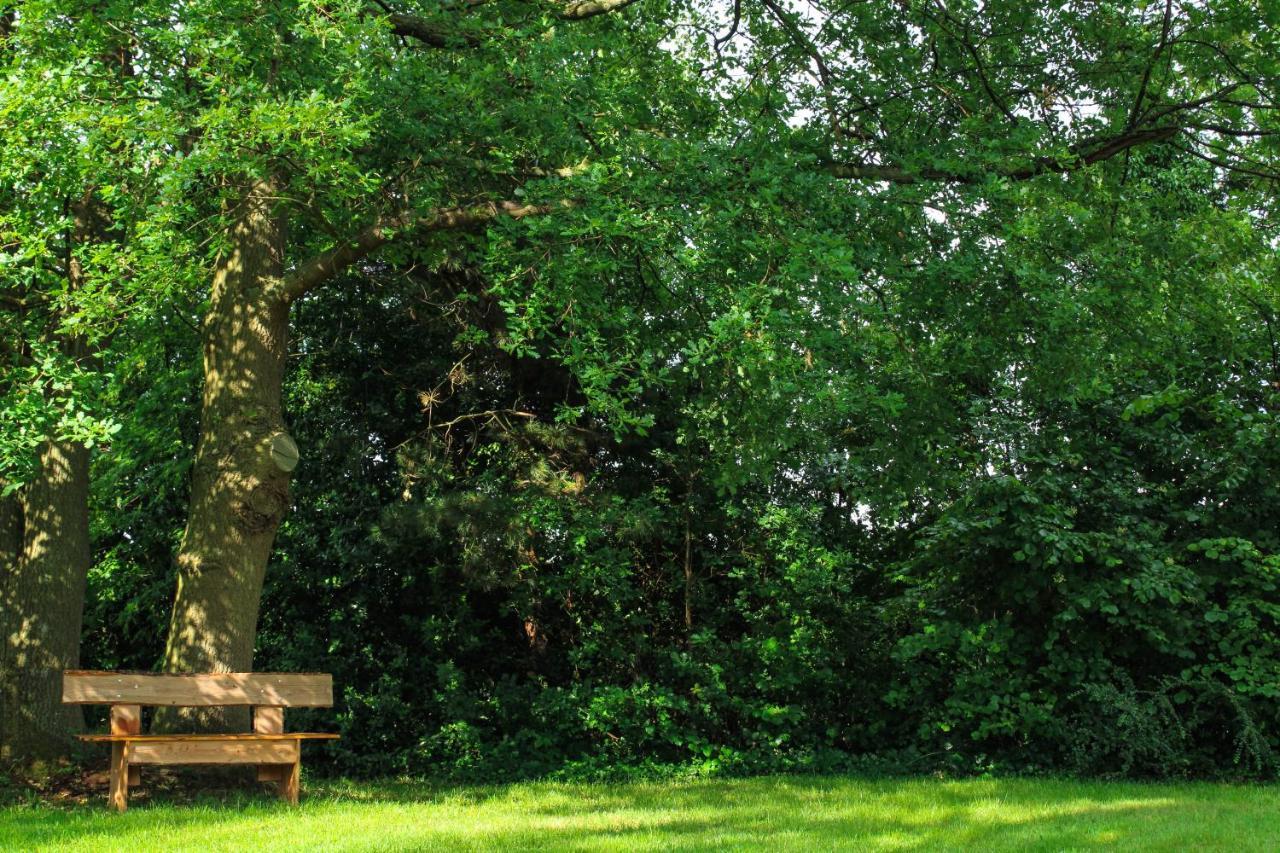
{"points": [[212, 752], [231, 736], [291, 689]]}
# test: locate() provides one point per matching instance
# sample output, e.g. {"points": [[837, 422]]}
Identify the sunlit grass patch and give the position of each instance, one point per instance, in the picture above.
{"points": [[778, 813]]}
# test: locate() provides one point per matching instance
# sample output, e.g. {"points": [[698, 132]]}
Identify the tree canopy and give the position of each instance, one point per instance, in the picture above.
{"points": [[615, 383]]}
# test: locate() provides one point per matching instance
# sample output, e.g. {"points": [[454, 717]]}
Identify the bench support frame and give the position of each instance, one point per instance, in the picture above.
{"points": [[127, 720], [278, 761], [276, 754], [269, 720]]}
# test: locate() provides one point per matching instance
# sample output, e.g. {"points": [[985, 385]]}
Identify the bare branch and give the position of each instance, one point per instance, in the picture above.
{"points": [[972, 49], [1232, 168], [1136, 113]]}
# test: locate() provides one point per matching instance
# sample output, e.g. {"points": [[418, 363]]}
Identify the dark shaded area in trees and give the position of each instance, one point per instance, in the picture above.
{"points": [[1074, 569], [732, 387]]}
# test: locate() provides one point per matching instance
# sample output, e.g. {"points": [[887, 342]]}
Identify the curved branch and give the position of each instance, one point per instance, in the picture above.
{"points": [[414, 27], [431, 34], [577, 10], [322, 267], [1098, 152]]}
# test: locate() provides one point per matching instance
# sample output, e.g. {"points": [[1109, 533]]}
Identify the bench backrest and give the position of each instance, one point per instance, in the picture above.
{"points": [[279, 689]]}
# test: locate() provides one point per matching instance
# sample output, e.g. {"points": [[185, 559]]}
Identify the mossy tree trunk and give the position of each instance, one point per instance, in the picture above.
{"points": [[44, 562], [244, 454], [240, 482], [44, 566]]}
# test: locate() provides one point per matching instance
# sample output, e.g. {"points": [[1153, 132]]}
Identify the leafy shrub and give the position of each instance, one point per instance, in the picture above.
{"points": [[1177, 728]]}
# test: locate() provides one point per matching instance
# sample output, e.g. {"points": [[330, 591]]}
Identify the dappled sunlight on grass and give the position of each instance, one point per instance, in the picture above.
{"points": [[778, 813]]}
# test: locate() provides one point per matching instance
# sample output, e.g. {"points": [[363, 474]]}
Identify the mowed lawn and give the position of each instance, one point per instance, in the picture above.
{"points": [[777, 813]]}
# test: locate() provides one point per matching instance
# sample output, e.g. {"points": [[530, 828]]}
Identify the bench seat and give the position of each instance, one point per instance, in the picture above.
{"points": [[179, 737], [277, 753]]}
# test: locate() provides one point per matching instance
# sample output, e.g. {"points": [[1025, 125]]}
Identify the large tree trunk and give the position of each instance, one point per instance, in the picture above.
{"points": [[240, 483], [44, 564], [44, 560]]}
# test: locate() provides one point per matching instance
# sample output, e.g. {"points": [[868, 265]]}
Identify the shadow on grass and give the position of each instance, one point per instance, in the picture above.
{"points": [[777, 812]]}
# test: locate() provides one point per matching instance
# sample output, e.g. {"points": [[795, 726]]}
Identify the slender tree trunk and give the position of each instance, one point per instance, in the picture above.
{"points": [[44, 561], [240, 483], [688, 575]]}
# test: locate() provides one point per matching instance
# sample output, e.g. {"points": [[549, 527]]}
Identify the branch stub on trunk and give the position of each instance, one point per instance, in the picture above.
{"points": [[284, 452]]}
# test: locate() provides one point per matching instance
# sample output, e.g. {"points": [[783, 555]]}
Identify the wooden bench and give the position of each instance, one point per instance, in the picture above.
{"points": [[277, 753]]}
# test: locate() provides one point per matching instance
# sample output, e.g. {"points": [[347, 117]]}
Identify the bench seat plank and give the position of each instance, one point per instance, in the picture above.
{"points": [[212, 752], [228, 737], [286, 689]]}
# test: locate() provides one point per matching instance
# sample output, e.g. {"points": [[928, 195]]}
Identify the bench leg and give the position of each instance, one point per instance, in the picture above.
{"points": [[269, 720], [290, 781], [118, 797], [127, 720]]}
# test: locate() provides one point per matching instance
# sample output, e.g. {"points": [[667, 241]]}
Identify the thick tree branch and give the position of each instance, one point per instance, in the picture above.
{"points": [[414, 27], [24, 304], [577, 10], [317, 270], [1095, 153], [893, 174], [432, 34]]}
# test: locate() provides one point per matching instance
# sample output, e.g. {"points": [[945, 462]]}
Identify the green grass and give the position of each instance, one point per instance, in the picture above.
{"points": [[775, 813]]}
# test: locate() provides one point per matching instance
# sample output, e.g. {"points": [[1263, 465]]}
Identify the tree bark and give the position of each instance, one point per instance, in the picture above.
{"points": [[44, 561], [244, 455], [44, 565], [240, 482]]}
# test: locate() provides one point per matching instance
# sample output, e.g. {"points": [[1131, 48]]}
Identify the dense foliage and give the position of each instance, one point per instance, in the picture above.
{"points": [[1036, 530], [890, 384]]}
